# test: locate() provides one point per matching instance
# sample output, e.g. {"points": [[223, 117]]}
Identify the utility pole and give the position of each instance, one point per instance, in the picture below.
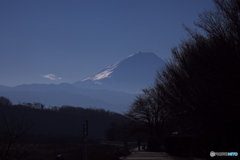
{"points": [[85, 137]]}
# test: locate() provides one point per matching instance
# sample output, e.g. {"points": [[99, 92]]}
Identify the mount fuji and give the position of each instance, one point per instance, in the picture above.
{"points": [[113, 88], [130, 75]]}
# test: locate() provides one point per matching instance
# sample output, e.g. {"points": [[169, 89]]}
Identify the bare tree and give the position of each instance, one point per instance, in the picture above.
{"points": [[11, 131], [151, 115]]}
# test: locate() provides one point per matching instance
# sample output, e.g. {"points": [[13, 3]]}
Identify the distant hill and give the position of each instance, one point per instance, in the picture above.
{"points": [[67, 94], [59, 124]]}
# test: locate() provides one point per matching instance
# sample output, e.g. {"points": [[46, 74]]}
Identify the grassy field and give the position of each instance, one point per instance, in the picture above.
{"points": [[70, 151]]}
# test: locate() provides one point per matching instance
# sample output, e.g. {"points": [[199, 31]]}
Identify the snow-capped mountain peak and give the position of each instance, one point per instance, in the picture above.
{"points": [[106, 72], [131, 74]]}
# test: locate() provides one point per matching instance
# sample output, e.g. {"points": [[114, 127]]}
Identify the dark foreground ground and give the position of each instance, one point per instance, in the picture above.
{"points": [[75, 151], [148, 156], [69, 151], [142, 155]]}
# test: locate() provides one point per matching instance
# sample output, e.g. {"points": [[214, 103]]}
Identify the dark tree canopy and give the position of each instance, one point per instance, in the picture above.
{"points": [[200, 85], [5, 101], [203, 77]]}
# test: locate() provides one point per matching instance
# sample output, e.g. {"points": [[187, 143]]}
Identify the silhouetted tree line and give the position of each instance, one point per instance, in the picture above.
{"points": [[56, 124], [198, 92], [28, 131]]}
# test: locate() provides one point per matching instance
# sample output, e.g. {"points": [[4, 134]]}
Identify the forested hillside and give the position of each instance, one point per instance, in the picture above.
{"points": [[34, 123]]}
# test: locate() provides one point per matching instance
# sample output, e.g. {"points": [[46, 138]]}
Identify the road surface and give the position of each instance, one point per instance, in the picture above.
{"points": [[148, 156]]}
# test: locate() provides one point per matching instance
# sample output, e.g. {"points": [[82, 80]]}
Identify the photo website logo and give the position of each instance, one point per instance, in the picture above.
{"points": [[213, 154]]}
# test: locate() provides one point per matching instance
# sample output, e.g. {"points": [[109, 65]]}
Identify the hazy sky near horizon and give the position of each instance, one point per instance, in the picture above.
{"points": [[55, 41]]}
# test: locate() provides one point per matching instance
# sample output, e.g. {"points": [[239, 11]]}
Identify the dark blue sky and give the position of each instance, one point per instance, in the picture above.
{"points": [[73, 39]]}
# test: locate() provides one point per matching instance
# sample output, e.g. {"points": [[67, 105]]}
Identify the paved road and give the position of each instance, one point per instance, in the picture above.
{"points": [[148, 156]]}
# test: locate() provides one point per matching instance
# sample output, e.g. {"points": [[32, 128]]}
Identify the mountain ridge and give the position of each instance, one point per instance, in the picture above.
{"points": [[113, 88], [67, 94]]}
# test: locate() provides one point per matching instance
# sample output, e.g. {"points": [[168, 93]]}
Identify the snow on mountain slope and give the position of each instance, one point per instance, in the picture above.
{"points": [[103, 74], [132, 74]]}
